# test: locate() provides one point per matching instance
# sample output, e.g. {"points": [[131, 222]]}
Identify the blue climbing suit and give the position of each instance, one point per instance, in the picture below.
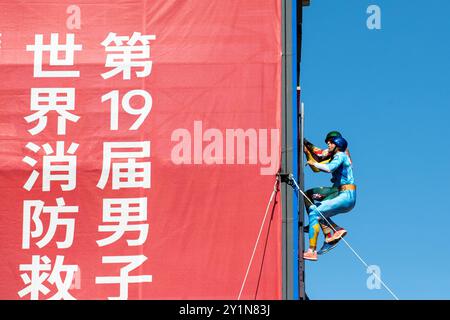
{"points": [[342, 174]]}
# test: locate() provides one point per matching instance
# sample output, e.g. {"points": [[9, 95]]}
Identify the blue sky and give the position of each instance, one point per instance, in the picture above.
{"points": [[388, 92]]}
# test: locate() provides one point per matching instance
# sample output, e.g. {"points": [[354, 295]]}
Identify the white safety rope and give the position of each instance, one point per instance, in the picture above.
{"points": [[275, 189], [348, 245]]}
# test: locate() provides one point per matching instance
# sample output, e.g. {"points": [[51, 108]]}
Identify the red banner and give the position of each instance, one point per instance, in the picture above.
{"points": [[139, 144]]}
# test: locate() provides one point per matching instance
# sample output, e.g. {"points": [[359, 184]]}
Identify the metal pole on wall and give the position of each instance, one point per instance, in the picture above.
{"points": [[300, 121]]}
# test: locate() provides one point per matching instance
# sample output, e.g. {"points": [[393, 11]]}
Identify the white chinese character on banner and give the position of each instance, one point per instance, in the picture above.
{"points": [[124, 279], [44, 100], [35, 285], [54, 48], [129, 174], [32, 210], [58, 167], [122, 212], [125, 53]]}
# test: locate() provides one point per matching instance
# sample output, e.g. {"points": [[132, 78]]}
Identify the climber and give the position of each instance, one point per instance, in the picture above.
{"points": [[342, 178], [314, 153]]}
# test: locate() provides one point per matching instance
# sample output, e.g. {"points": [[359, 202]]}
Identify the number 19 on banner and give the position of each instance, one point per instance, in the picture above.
{"points": [[141, 112]]}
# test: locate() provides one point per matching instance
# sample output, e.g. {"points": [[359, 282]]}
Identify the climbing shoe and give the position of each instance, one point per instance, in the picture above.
{"points": [[310, 255], [337, 235], [327, 247]]}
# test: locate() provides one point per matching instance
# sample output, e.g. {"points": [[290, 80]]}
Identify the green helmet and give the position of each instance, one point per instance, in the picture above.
{"points": [[332, 134]]}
